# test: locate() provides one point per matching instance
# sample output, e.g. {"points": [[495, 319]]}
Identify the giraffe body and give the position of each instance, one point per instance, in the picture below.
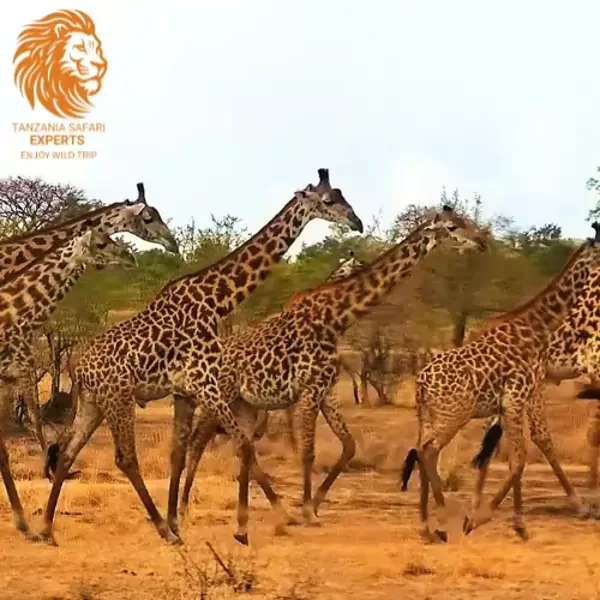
{"points": [[345, 268], [27, 298], [173, 346], [573, 350], [291, 358], [501, 371]]}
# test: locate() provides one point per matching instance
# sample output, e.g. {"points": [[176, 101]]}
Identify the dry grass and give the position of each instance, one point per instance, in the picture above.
{"points": [[368, 546]]}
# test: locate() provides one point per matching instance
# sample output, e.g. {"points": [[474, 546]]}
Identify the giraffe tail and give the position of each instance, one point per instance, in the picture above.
{"points": [[51, 463], [589, 393], [489, 445], [407, 468]]}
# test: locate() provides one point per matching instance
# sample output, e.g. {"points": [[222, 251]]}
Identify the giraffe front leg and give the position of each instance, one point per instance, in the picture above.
{"points": [[182, 424], [309, 411], [335, 420]]}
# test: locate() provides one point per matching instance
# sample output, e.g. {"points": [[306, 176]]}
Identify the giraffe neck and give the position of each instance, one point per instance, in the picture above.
{"points": [[30, 296], [223, 286], [545, 312], [16, 253], [343, 302]]}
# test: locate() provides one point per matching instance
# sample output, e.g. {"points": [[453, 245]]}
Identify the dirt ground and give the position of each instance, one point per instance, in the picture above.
{"points": [[366, 547]]}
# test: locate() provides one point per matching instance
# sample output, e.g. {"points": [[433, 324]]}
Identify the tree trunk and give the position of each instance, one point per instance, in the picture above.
{"points": [[460, 328]]}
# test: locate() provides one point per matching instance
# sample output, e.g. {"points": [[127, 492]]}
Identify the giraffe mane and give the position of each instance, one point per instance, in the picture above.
{"points": [[517, 312], [329, 285], [53, 227]]}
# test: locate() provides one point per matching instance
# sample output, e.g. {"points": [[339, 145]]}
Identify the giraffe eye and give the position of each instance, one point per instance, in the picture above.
{"points": [[452, 227]]}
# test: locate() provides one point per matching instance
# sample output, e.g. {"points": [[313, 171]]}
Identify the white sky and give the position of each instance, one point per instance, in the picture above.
{"points": [[229, 107]]}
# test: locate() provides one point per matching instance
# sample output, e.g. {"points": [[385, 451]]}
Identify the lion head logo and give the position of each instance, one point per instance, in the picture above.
{"points": [[59, 63]]}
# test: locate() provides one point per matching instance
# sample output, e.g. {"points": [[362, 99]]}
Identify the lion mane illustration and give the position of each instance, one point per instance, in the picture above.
{"points": [[59, 63]]}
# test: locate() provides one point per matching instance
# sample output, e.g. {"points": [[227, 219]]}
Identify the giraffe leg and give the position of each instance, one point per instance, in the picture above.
{"points": [[428, 458], [425, 530], [203, 433], [335, 419], [516, 443], [123, 432], [182, 424], [309, 413], [540, 436], [593, 438], [262, 425], [87, 419], [13, 496], [209, 395], [289, 418]]}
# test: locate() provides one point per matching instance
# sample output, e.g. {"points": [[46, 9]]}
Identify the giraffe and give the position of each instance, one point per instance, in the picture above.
{"points": [[173, 346], [292, 358], [500, 371], [573, 351], [138, 218], [27, 298], [346, 267]]}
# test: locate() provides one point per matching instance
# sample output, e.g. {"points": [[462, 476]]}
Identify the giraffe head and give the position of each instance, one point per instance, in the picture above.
{"points": [[462, 232], [325, 202], [346, 266], [145, 222], [98, 249]]}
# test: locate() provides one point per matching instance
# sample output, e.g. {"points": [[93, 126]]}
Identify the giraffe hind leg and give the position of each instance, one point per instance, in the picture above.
{"points": [[123, 432], [204, 431], [13, 496], [87, 419], [182, 424], [335, 420]]}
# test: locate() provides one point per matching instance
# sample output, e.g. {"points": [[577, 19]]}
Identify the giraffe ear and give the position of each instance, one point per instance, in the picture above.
{"points": [[136, 209], [300, 194]]}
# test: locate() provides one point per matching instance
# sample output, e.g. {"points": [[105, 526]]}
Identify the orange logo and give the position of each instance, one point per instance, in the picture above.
{"points": [[59, 63]]}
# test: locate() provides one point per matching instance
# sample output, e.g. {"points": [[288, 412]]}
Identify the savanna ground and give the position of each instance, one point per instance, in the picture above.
{"points": [[367, 546]]}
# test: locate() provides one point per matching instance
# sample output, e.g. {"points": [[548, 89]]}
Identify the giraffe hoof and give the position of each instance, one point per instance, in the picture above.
{"points": [[242, 538], [48, 538], [442, 535], [468, 526], [32, 536], [522, 533]]}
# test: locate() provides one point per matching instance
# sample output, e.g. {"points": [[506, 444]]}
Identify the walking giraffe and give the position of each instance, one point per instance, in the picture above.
{"points": [[346, 267], [501, 371], [172, 346], [574, 350], [27, 298], [292, 358], [137, 217]]}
